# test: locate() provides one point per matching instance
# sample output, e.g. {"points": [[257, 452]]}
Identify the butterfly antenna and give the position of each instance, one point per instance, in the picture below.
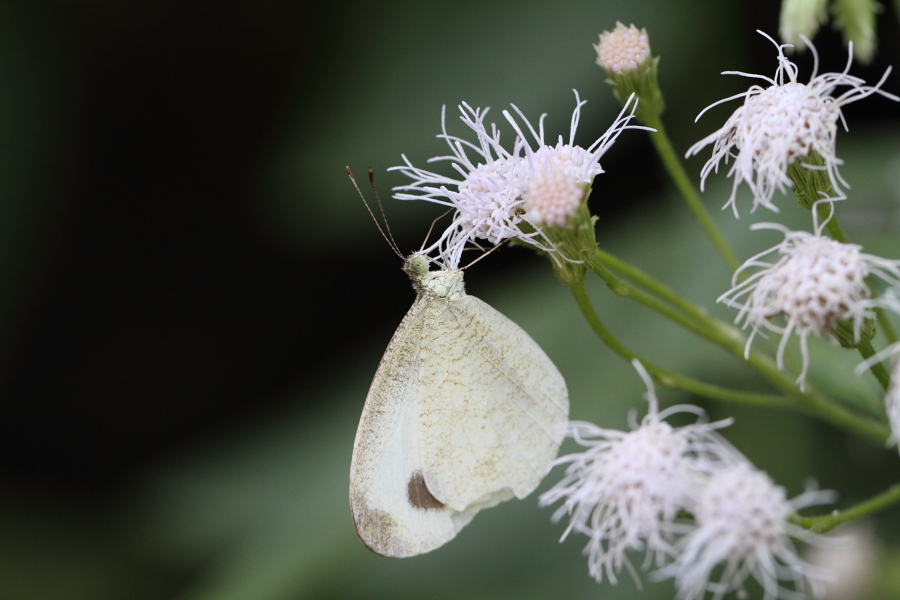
{"points": [[386, 230]]}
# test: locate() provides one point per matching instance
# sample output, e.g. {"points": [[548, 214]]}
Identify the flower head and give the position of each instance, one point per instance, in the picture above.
{"points": [[623, 49], [741, 522], [892, 403], [553, 196], [891, 302], [512, 193], [626, 489], [624, 53], [814, 283], [781, 124]]}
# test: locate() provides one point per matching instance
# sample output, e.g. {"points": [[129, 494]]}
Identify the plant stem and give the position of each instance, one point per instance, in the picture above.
{"points": [[828, 522], [833, 226], [878, 370], [654, 286], [668, 378], [621, 288], [726, 337], [693, 319], [673, 165]]}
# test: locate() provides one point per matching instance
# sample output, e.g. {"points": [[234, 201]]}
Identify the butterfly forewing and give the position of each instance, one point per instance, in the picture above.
{"points": [[385, 459]]}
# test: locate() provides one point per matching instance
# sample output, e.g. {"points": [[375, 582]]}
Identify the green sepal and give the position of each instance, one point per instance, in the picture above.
{"points": [[843, 332], [810, 185], [643, 82]]}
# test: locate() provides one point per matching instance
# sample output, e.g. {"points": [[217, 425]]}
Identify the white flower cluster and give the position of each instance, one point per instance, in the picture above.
{"points": [[812, 282], [782, 124], [509, 194], [629, 491]]}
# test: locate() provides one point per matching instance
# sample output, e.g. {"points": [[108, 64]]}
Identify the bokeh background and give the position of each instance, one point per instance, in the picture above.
{"points": [[193, 298]]}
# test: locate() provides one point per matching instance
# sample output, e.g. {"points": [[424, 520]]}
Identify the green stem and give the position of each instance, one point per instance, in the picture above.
{"points": [[679, 176], [828, 522], [833, 226], [734, 342], [878, 370], [693, 319], [654, 286], [625, 290], [668, 378]]}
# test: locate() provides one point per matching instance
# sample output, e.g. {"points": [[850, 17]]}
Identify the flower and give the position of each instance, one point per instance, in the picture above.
{"points": [[624, 53], [623, 49], [892, 403], [741, 520], [782, 124], [815, 283], [891, 302], [851, 560], [626, 489], [508, 194], [553, 196]]}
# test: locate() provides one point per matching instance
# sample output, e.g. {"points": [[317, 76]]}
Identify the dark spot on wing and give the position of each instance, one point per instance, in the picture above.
{"points": [[418, 494]]}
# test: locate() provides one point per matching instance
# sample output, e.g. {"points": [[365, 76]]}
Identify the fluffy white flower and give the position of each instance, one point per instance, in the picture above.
{"points": [[626, 489], [814, 283], [889, 301], [741, 523], [780, 124], [892, 403], [500, 188]]}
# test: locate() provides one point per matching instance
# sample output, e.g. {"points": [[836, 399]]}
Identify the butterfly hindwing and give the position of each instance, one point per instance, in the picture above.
{"points": [[490, 415]]}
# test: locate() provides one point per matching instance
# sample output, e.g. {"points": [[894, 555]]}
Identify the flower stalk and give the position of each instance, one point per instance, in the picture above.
{"points": [[809, 402]]}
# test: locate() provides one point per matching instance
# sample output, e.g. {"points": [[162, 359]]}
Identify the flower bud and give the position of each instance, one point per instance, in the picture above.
{"points": [[624, 53]]}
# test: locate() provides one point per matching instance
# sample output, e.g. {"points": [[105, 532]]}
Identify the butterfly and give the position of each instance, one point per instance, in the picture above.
{"points": [[465, 411]]}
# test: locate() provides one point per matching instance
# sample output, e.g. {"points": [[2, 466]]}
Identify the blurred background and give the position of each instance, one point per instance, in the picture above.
{"points": [[193, 298]]}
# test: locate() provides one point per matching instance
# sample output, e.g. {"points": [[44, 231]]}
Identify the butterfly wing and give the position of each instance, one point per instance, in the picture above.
{"points": [[490, 413], [463, 413], [385, 453]]}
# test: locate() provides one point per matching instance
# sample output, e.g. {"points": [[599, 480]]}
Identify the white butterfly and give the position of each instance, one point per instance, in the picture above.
{"points": [[464, 412]]}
